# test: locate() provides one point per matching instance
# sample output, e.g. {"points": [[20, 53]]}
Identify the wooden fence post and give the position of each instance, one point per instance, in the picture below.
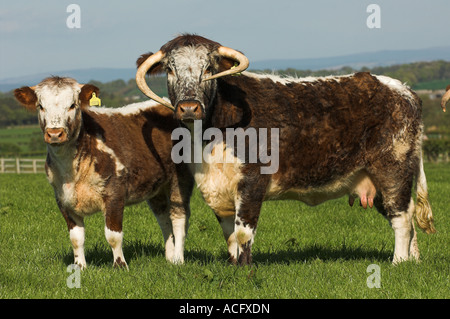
{"points": [[22, 166]]}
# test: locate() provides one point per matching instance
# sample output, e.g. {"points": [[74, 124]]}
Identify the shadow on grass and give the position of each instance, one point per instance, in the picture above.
{"points": [[101, 254], [311, 253]]}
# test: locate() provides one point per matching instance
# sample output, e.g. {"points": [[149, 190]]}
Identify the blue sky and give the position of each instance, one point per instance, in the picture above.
{"points": [[34, 37]]}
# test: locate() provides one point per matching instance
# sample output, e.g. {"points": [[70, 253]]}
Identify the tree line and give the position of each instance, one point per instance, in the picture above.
{"points": [[419, 75]]}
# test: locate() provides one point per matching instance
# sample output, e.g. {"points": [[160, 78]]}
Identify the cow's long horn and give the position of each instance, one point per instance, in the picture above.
{"points": [[445, 98], [234, 55], [140, 78]]}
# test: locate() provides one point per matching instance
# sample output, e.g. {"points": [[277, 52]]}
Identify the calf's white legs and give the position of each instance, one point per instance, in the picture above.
{"points": [[77, 238], [115, 240]]}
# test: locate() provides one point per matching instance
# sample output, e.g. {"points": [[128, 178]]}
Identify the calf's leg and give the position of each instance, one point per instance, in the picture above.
{"points": [[159, 204], [75, 225], [113, 231], [76, 234]]}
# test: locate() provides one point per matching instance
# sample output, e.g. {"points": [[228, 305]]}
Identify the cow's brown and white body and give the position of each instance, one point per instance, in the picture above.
{"points": [[357, 135], [102, 159]]}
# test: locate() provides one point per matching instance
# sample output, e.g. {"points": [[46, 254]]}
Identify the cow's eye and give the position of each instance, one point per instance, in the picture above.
{"points": [[40, 107], [208, 70], [169, 71], [72, 107]]}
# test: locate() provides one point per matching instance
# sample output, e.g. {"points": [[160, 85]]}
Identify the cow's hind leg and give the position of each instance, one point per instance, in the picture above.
{"points": [[405, 235], [399, 212]]}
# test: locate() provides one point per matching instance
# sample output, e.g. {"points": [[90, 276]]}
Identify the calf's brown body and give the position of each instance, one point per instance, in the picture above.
{"points": [[111, 158]]}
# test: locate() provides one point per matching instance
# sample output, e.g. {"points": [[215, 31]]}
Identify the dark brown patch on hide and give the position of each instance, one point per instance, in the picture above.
{"points": [[185, 40]]}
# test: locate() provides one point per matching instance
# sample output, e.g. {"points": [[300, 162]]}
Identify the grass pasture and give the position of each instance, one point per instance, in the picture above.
{"points": [[22, 141], [299, 251]]}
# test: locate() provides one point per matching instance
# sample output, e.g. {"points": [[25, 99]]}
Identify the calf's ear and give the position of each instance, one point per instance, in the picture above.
{"points": [[27, 97], [86, 93]]}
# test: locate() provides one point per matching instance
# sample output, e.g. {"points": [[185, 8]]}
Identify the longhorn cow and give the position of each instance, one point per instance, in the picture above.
{"points": [[357, 135]]}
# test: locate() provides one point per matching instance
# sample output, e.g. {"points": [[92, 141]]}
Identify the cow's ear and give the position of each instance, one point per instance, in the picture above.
{"points": [[226, 64], [86, 94], [27, 97], [447, 88], [157, 68]]}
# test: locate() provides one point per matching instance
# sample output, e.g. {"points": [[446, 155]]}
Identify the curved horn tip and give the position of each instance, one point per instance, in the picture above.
{"points": [[232, 54], [142, 84]]}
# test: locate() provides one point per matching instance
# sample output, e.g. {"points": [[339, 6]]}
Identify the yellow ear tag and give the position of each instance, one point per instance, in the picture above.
{"points": [[95, 101], [235, 65]]}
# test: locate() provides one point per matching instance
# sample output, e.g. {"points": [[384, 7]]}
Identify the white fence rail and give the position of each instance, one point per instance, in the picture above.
{"points": [[22, 165]]}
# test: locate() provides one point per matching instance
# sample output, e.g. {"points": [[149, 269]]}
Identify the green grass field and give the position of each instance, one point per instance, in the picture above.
{"points": [[22, 140], [299, 251]]}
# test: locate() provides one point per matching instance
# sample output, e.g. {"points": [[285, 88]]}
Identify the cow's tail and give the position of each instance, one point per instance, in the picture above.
{"points": [[423, 214]]}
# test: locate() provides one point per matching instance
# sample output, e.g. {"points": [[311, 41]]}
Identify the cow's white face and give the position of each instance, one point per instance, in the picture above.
{"points": [[59, 112], [186, 67]]}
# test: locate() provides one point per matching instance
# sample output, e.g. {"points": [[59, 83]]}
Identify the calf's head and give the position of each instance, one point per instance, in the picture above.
{"points": [[59, 102], [192, 64]]}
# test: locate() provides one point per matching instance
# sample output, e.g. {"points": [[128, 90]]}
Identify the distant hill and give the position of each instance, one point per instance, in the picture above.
{"points": [[355, 61], [81, 75]]}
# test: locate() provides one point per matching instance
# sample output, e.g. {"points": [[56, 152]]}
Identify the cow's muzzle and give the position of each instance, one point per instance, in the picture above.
{"points": [[55, 136], [189, 110]]}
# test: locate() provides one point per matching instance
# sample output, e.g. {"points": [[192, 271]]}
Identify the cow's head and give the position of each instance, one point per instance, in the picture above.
{"points": [[59, 102], [192, 64]]}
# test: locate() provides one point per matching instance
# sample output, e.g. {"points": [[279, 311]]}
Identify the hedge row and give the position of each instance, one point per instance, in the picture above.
{"points": [[433, 149]]}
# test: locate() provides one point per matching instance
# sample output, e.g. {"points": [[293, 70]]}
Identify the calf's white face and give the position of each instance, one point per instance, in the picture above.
{"points": [[59, 110], [59, 102]]}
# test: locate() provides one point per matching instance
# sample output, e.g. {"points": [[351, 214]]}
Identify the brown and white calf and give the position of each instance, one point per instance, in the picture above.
{"points": [[101, 159], [357, 135]]}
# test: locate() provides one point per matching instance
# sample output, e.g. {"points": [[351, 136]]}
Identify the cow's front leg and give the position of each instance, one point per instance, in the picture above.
{"points": [[251, 192], [113, 231], [179, 215], [244, 231], [76, 233], [75, 225], [226, 221]]}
